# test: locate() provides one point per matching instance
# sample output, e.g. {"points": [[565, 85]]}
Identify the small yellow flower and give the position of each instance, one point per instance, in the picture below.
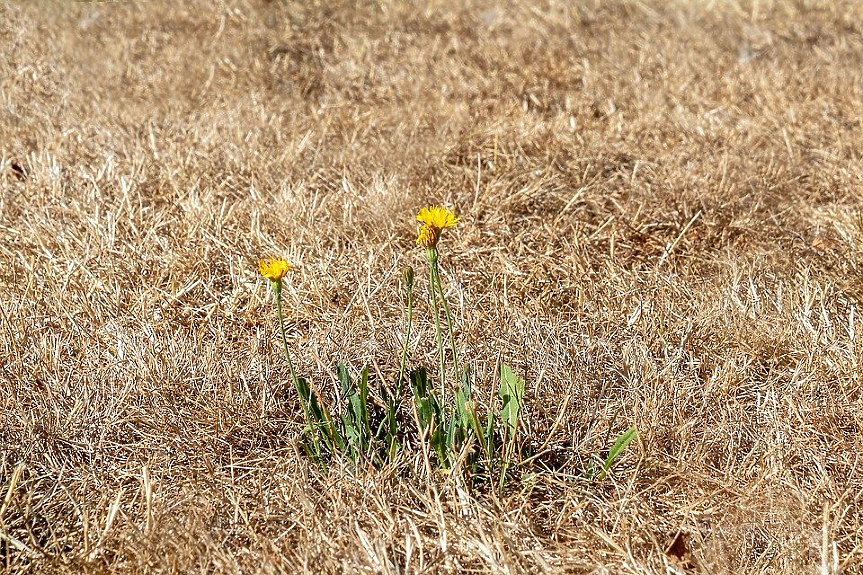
{"points": [[427, 236], [274, 270], [437, 217], [433, 219]]}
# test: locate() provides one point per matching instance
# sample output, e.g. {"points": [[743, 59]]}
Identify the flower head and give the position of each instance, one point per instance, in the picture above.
{"points": [[433, 220], [427, 236], [437, 217], [274, 269]]}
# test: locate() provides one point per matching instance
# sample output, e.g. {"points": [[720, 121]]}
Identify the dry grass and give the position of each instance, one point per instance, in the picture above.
{"points": [[661, 227]]}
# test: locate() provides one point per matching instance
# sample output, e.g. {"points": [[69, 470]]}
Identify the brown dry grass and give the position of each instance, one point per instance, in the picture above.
{"points": [[662, 228]]}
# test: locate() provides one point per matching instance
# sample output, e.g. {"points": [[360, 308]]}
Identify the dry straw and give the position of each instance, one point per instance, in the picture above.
{"points": [[661, 228]]}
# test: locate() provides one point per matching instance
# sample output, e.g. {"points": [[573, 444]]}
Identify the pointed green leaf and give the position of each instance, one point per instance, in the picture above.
{"points": [[364, 402], [619, 447], [511, 393]]}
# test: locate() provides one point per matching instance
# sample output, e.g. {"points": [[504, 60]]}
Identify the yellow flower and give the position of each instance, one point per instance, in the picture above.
{"points": [[274, 270], [427, 236], [437, 217], [434, 219]]}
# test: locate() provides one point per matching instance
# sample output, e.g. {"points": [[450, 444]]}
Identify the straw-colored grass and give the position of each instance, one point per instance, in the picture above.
{"points": [[661, 227]]}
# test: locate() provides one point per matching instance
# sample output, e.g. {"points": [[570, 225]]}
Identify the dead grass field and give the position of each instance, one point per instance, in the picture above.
{"points": [[662, 227]]}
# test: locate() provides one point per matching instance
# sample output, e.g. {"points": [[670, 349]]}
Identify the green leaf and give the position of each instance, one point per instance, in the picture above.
{"points": [[303, 391], [511, 392], [419, 382], [438, 442], [424, 411], [387, 428], [477, 428], [619, 447], [461, 403], [350, 393], [318, 417], [352, 436], [364, 402], [331, 434], [355, 420], [452, 438], [489, 432], [462, 399], [428, 406]]}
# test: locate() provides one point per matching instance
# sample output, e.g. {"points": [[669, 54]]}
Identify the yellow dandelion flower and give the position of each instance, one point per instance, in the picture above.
{"points": [[274, 270], [427, 236], [437, 217]]}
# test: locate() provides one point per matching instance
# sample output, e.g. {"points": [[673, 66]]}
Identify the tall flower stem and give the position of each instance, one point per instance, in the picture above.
{"points": [[409, 283], [277, 289], [431, 254], [436, 273]]}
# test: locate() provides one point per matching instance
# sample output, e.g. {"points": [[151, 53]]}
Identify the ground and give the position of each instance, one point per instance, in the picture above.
{"points": [[661, 227]]}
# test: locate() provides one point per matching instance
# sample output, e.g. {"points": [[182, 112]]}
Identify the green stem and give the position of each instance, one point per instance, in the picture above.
{"points": [[436, 273], [431, 254], [277, 288], [407, 342]]}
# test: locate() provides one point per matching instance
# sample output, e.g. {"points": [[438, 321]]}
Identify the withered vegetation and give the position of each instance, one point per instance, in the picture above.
{"points": [[661, 227]]}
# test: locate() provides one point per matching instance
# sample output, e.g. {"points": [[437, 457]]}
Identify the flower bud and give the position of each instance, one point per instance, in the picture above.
{"points": [[408, 276]]}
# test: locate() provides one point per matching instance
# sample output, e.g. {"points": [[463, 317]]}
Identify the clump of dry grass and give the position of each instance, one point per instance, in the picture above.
{"points": [[662, 216]]}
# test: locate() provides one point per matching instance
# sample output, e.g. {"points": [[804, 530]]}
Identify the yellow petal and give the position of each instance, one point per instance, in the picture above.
{"points": [[437, 217], [274, 269]]}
